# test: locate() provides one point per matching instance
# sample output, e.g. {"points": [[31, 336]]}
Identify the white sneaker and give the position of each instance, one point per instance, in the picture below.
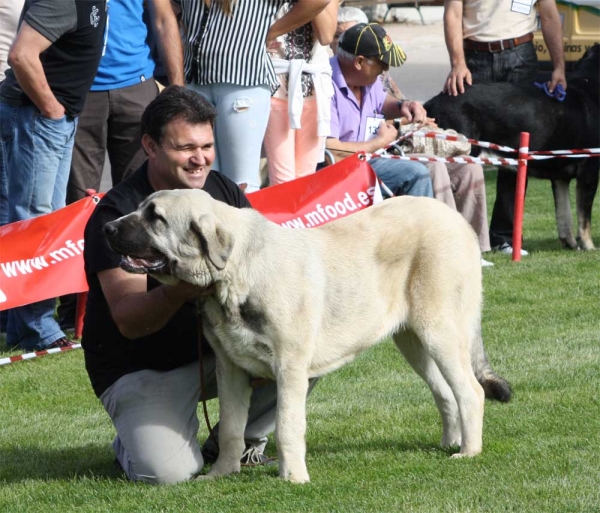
{"points": [[507, 249], [485, 263]]}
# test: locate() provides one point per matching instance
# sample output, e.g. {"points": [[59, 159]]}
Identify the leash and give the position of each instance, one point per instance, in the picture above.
{"points": [[559, 93], [201, 365]]}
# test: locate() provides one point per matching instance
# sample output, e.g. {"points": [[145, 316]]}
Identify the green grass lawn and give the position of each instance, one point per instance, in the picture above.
{"points": [[373, 429]]}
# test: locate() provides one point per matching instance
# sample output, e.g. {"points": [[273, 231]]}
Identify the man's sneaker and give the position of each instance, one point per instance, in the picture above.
{"points": [[485, 263], [253, 456], [61, 342], [507, 249]]}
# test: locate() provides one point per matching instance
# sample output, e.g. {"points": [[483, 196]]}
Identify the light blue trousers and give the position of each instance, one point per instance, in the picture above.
{"points": [[242, 117]]}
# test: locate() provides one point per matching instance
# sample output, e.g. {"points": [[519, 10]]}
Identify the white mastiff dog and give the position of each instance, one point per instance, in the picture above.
{"points": [[291, 304]]}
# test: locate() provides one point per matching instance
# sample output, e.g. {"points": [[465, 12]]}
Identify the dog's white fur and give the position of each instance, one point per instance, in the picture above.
{"points": [[290, 304]]}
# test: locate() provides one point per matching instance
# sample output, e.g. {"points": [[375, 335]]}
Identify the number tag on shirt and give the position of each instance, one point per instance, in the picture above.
{"points": [[521, 6], [372, 127]]}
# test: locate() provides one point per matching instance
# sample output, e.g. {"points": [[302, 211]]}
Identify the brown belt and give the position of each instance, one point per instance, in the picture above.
{"points": [[496, 46]]}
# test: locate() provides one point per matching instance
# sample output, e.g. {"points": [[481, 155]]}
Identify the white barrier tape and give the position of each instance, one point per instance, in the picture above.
{"points": [[29, 356]]}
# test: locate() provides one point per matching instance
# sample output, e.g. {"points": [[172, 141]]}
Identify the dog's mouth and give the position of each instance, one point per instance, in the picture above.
{"points": [[155, 264]]}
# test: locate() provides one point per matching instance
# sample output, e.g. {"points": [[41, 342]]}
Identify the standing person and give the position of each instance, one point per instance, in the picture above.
{"points": [[301, 107], [53, 61], [123, 87], [10, 13], [9, 22], [110, 120], [491, 41], [140, 338], [225, 59]]}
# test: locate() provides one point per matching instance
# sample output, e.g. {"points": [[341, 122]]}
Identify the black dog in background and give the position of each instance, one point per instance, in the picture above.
{"points": [[499, 112]]}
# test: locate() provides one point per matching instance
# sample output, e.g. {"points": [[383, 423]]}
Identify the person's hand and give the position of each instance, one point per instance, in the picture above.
{"points": [[273, 46], [455, 83], [558, 77], [386, 133], [413, 111], [56, 111]]}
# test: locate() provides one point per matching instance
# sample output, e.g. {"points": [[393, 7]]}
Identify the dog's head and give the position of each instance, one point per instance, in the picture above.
{"points": [[587, 71], [173, 235]]}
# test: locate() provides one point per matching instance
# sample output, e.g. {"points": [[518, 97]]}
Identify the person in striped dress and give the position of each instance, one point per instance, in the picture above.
{"points": [[225, 59]]}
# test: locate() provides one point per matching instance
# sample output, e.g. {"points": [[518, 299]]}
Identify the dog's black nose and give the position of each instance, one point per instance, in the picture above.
{"points": [[109, 229]]}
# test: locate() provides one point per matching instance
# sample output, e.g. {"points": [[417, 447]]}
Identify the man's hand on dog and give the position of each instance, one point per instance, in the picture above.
{"points": [[455, 83]]}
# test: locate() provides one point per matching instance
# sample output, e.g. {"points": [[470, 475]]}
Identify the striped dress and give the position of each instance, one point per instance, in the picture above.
{"points": [[228, 49]]}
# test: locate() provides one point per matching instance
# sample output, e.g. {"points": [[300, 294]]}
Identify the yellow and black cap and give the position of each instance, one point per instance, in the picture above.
{"points": [[372, 41]]}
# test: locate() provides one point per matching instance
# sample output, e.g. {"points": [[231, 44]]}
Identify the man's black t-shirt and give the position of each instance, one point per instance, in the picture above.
{"points": [[76, 29], [108, 354]]}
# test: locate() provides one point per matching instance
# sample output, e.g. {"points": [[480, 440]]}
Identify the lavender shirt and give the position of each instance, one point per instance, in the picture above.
{"points": [[348, 119]]}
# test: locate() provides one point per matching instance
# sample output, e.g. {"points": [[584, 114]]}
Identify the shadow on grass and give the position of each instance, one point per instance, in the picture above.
{"points": [[386, 445], [36, 463]]}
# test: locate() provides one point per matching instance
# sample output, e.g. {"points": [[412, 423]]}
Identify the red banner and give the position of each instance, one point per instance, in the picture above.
{"points": [[42, 258], [333, 193]]}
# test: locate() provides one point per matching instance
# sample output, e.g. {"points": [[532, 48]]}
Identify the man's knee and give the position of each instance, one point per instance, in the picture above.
{"points": [[173, 470]]}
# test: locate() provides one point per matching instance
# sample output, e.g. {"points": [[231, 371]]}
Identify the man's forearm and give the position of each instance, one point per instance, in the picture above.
{"points": [[348, 148], [453, 33], [301, 13], [552, 32], [168, 38], [30, 75]]}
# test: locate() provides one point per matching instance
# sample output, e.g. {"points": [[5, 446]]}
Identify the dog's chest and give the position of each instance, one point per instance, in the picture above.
{"points": [[241, 333]]}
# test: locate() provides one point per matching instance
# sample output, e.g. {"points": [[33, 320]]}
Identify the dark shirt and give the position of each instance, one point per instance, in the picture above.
{"points": [[108, 354], [76, 30]]}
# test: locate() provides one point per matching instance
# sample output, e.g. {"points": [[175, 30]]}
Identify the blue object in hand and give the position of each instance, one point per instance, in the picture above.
{"points": [[559, 93]]}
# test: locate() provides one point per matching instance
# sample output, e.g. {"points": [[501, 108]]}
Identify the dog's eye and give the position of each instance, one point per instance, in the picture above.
{"points": [[154, 213]]}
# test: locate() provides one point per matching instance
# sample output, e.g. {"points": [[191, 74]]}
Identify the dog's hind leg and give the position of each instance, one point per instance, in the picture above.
{"points": [[448, 344], [419, 359], [587, 185], [562, 210], [292, 386], [234, 400]]}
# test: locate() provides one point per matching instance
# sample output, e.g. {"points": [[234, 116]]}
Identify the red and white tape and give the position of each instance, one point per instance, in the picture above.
{"points": [[29, 356], [450, 160], [532, 155]]}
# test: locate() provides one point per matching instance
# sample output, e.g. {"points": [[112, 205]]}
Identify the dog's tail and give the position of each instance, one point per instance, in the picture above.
{"points": [[494, 385]]}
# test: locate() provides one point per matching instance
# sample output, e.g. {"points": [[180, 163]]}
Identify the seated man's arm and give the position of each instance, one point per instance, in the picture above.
{"points": [[137, 311], [385, 135], [410, 110]]}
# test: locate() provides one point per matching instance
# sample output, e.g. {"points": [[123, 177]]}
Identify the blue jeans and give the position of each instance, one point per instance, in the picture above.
{"points": [[520, 66], [243, 114], [403, 177], [36, 156]]}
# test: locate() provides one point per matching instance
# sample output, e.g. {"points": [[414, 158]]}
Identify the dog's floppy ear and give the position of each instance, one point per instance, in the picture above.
{"points": [[214, 240]]}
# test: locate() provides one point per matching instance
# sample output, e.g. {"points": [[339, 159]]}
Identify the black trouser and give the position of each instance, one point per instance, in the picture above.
{"points": [[516, 65]]}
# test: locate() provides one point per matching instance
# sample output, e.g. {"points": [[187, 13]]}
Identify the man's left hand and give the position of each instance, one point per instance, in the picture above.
{"points": [[558, 77]]}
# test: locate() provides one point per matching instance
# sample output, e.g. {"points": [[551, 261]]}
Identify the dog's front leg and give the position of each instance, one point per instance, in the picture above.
{"points": [[234, 400], [292, 386]]}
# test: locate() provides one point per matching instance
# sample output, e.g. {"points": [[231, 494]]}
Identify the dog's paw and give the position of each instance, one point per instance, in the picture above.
{"points": [[451, 441]]}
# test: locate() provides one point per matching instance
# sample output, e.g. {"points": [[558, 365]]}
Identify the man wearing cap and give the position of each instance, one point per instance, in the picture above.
{"points": [[360, 107]]}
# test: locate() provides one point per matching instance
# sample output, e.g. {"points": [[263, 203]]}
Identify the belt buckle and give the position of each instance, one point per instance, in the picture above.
{"points": [[490, 48]]}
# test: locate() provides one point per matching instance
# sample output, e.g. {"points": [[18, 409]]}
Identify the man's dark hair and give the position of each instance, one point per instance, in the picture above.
{"points": [[176, 102]]}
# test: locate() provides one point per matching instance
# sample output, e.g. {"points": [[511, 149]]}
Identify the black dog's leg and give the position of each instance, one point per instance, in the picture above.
{"points": [[587, 185], [562, 210]]}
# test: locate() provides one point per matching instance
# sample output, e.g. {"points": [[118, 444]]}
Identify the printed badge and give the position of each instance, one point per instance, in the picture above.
{"points": [[521, 6]]}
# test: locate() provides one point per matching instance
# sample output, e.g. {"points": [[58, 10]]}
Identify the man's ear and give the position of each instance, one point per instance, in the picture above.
{"points": [[149, 145], [215, 242], [359, 62]]}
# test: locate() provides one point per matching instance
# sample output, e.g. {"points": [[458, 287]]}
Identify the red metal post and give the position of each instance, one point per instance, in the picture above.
{"points": [[80, 313], [520, 197]]}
